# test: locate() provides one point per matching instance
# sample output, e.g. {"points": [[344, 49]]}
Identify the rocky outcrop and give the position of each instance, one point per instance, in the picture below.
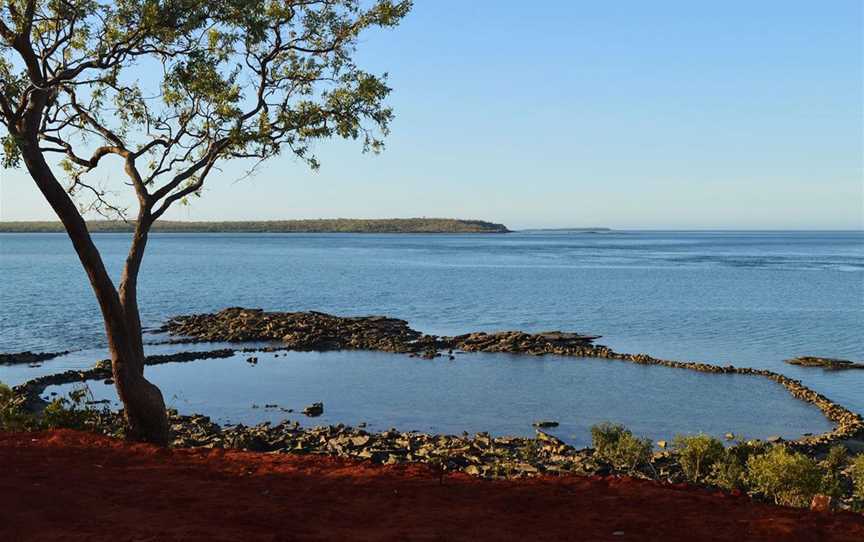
{"points": [[298, 330], [29, 358], [825, 363]]}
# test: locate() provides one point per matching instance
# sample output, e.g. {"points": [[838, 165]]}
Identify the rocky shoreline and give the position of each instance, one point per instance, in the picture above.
{"points": [[319, 331], [480, 455]]}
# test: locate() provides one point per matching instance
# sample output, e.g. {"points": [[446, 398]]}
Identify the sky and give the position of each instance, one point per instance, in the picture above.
{"points": [[627, 114]]}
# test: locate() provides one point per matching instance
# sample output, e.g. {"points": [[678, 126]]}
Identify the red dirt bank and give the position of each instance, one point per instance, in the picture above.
{"points": [[65, 485]]}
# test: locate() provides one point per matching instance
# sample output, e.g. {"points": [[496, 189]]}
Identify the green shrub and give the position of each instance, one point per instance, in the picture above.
{"points": [[789, 478], [833, 466], [617, 446], [697, 454], [72, 412], [858, 475], [730, 471], [11, 417]]}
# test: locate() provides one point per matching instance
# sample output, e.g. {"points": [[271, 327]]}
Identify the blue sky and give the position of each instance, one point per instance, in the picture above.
{"points": [[627, 114]]}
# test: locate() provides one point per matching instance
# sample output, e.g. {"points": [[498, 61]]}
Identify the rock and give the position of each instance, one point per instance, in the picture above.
{"points": [[774, 439], [553, 445], [662, 444], [314, 410], [826, 363], [33, 359], [526, 468], [545, 423], [822, 503], [730, 436], [359, 441], [855, 446]]}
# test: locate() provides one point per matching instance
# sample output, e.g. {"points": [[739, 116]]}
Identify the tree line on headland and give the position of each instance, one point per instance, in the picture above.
{"points": [[333, 225]]}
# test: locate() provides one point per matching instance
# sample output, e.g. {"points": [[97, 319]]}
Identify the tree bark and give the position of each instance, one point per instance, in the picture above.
{"points": [[144, 405]]}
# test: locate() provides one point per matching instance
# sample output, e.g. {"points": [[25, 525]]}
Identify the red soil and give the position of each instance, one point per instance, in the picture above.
{"points": [[64, 485]]}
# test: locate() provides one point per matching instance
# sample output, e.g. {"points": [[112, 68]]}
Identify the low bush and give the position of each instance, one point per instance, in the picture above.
{"points": [[788, 478], [858, 475], [730, 471], [70, 412], [697, 454], [832, 467], [616, 445], [12, 418]]}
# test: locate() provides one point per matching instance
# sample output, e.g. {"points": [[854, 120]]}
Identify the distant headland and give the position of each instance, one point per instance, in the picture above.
{"points": [[567, 230], [329, 225]]}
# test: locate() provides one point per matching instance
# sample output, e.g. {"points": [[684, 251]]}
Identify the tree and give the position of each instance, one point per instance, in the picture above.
{"points": [[168, 89]]}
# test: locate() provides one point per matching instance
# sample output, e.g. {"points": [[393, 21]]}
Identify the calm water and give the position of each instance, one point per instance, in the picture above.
{"points": [[499, 393], [751, 299]]}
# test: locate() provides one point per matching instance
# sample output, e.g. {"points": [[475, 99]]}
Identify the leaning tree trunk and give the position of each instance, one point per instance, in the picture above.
{"points": [[144, 406], [146, 418]]}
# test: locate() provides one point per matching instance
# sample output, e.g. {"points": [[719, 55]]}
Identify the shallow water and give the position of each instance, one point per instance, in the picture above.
{"points": [[499, 393], [746, 298]]}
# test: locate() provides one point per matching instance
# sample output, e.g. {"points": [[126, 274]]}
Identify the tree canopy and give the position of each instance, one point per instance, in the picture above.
{"points": [[171, 87]]}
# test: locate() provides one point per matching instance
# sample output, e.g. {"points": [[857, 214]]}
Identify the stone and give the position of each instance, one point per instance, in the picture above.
{"points": [[360, 441], [826, 363], [473, 470], [662, 444], [822, 503], [314, 410], [545, 423]]}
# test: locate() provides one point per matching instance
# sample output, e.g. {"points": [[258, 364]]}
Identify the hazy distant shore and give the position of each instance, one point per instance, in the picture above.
{"points": [[335, 225]]}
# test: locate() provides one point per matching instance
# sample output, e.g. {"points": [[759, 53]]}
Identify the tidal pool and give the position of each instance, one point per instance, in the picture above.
{"points": [[499, 393]]}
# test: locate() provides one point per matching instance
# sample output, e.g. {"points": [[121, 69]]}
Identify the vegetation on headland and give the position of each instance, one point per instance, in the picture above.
{"points": [[325, 225]]}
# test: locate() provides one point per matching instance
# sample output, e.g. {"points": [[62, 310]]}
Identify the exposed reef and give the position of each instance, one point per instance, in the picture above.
{"points": [[825, 363], [319, 331], [29, 358]]}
